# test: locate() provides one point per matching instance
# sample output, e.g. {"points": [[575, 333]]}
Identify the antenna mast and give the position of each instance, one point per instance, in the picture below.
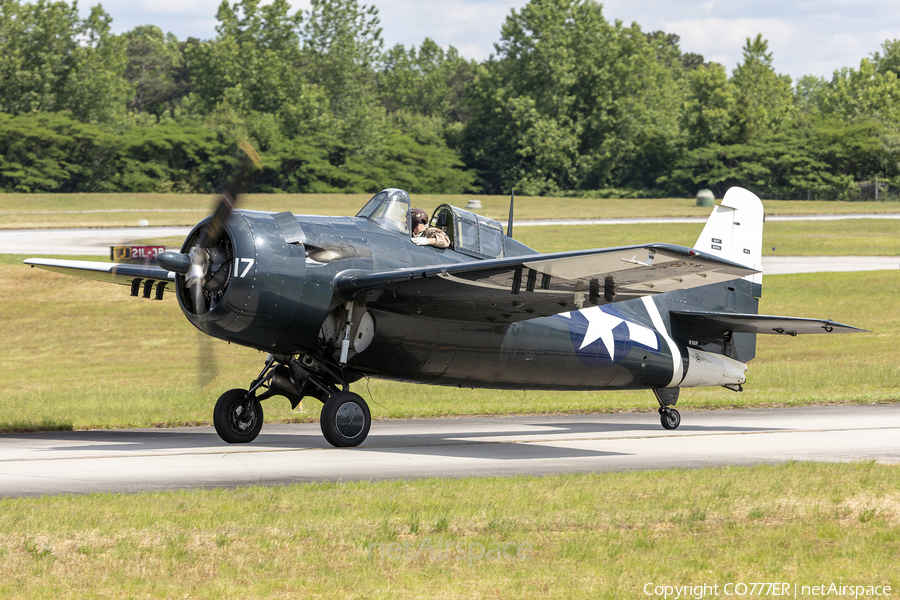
{"points": [[512, 198]]}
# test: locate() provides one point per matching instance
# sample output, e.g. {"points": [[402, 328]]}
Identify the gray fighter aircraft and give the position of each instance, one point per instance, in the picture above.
{"points": [[335, 299]]}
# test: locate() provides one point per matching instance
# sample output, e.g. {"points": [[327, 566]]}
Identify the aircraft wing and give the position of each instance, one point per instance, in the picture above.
{"points": [[745, 323], [525, 287], [135, 276]]}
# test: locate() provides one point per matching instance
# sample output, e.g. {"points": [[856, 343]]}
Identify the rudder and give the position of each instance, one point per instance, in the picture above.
{"points": [[734, 231]]}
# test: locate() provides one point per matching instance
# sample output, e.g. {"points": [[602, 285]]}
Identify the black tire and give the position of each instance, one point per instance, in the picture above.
{"points": [[234, 423], [670, 418], [345, 420]]}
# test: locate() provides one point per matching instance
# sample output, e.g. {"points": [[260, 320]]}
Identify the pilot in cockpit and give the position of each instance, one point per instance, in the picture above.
{"points": [[422, 234]]}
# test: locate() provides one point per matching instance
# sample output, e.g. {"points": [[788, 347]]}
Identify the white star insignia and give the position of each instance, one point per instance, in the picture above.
{"points": [[601, 325]]}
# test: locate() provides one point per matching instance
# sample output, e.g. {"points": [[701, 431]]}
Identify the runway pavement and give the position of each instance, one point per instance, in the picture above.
{"points": [[156, 459], [79, 242]]}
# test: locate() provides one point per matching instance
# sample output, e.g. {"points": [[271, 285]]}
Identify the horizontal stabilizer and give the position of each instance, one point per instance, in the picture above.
{"points": [[744, 323]]}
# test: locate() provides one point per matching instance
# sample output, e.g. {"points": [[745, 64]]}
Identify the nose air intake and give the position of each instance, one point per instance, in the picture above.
{"points": [[209, 271]]}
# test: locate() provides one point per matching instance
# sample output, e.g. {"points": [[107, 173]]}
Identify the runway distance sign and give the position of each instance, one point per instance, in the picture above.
{"points": [[135, 254]]}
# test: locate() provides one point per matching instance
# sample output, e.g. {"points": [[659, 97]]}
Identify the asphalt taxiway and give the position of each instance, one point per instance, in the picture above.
{"points": [[135, 460]]}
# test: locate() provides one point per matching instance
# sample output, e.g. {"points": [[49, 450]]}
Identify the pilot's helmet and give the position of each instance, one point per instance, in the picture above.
{"points": [[417, 216]]}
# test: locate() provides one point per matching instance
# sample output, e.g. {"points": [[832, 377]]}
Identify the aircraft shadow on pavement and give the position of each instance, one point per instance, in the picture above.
{"points": [[163, 441], [522, 441], [531, 441]]}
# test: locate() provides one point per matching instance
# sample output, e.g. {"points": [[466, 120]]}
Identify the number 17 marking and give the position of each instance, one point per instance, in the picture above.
{"points": [[237, 268]]}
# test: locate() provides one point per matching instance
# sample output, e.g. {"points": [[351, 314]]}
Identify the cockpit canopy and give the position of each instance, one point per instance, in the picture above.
{"points": [[469, 233], [389, 209]]}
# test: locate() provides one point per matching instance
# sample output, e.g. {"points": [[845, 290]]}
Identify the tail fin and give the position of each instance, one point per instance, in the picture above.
{"points": [[718, 325], [734, 231]]}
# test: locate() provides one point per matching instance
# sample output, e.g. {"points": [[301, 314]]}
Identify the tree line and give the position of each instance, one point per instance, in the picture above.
{"points": [[569, 104]]}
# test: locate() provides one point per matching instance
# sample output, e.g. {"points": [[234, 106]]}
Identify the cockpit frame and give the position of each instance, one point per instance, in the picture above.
{"points": [[469, 233]]}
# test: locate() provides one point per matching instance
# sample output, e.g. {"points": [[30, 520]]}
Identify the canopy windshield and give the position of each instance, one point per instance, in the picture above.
{"points": [[389, 209]]}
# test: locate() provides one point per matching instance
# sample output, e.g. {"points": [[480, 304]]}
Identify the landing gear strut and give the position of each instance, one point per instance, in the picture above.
{"points": [[345, 419], [668, 416]]}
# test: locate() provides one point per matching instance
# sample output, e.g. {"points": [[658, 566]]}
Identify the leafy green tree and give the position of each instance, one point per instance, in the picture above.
{"points": [[864, 93], [764, 99], [342, 48], [52, 60], [155, 70], [669, 53], [865, 96], [813, 157], [246, 82], [38, 152], [809, 93], [251, 64], [97, 92], [423, 92], [36, 54], [709, 106], [890, 59], [426, 81], [571, 103], [53, 152]]}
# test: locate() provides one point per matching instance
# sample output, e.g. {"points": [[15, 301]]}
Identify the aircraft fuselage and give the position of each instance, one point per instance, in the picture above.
{"points": [[280, 300]]}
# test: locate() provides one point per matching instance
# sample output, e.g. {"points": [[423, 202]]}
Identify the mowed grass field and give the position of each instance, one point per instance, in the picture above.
{"points": [[83, 354], [584, 536]]}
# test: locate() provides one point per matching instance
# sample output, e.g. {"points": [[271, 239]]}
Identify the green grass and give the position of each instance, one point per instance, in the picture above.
{"points": [[66, 210], [82, 354], [576, 536]]}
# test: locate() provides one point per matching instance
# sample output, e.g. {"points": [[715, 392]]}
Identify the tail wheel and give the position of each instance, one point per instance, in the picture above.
{"points": [[345, 420], [670, 418], [237, 419]]}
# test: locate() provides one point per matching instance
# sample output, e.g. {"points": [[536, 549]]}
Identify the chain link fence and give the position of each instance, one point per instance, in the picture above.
{"points": [[864, 191]]}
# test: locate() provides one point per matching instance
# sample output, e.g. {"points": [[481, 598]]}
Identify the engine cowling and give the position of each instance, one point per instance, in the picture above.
{"points": [[254, 287]]}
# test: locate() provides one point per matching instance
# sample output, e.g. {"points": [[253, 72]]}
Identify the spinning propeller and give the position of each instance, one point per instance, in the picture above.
{"points": [[207, 264]]}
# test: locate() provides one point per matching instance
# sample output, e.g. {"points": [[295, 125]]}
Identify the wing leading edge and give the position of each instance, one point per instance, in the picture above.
{"points": [[136, 276], [526, 287]]}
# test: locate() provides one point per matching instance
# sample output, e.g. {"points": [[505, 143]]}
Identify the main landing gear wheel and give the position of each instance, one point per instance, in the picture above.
{"points": [[670, 418], [345, 420], [237, 420]]}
